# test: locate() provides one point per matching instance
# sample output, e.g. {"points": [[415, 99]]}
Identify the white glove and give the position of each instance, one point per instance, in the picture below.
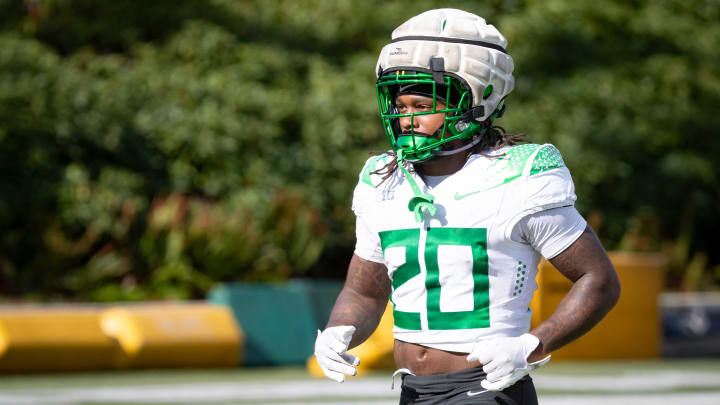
{"points": [[505, 360], [330, 351]]}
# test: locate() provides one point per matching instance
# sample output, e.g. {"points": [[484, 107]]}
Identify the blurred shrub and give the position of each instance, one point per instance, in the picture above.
{"points": [[628, 92], [150, 150]]}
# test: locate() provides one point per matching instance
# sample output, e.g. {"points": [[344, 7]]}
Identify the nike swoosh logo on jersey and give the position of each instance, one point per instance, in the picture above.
{"points": [[459, 196], [472, 394]]}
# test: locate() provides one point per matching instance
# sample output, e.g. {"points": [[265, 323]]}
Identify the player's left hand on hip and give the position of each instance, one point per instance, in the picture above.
{"points": [[505, 360]]}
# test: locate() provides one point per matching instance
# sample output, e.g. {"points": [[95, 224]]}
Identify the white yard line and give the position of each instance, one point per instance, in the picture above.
{"points": [[376, 391], [673, 398], [629, 382], [203, 392], [652, 399]]}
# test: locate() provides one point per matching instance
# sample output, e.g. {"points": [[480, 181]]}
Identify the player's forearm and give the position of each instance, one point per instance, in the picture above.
{"points": [[363, 299], [362, 312], [583, 307], [595, 291]]}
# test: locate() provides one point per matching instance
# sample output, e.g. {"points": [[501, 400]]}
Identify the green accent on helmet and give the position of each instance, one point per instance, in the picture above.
{"points": [[488, 91], [452, 92]]}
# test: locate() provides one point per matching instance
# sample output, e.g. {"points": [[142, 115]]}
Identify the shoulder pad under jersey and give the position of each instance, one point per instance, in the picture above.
{"points": [[509, 166], [549, 184], [547, 158], [540, 181], [541, 158], [516, 159], [374, 163]]}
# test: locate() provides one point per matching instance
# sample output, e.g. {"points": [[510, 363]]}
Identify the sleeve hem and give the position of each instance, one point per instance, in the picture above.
{"points": [[369, 257], [578, 230], [511, 224]]}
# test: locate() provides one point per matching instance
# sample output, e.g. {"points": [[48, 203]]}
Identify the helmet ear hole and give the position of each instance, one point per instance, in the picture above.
{"points": [[488, 91]]}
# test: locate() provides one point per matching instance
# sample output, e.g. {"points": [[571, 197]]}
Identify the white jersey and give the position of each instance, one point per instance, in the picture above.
{"points": [[458, 277]]}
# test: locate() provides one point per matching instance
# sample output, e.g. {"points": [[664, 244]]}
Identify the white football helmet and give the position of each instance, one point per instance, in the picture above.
{"points": [[455, 57]]}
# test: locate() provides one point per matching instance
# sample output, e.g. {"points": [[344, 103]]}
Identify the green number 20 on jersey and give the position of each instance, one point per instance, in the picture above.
{"points": [[476, 239]]}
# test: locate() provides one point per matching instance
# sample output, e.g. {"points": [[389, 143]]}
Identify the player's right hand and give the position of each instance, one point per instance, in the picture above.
{"points": [[331, 352]]}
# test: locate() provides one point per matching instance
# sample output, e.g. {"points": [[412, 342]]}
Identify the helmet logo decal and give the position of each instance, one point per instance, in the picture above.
{"points": [[398, 51]]}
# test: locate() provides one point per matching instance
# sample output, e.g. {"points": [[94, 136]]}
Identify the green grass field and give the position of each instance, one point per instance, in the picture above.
{"points": [[606, 383]]}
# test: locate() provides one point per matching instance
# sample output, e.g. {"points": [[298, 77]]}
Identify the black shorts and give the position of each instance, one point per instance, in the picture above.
{"points": [[463, 387]]}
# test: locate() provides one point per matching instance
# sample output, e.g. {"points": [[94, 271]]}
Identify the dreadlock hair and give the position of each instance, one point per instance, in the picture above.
{"points": [[494, 138]]}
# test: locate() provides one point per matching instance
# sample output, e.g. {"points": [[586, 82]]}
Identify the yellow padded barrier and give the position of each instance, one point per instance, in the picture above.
{"points": [[375, 353], [632, 328], [174, 335], [52, 339]]}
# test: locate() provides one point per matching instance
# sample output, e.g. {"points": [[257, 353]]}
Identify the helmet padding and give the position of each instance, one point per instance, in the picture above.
{"points": [[471, 50]]}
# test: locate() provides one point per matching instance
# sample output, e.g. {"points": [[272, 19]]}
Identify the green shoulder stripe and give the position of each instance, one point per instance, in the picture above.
{"points": [[517, 157], [505, 169], [547, 158], [371, 166]]}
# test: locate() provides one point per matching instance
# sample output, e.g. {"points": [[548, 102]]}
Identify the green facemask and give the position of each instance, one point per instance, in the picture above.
{"points": [[414, 147]]}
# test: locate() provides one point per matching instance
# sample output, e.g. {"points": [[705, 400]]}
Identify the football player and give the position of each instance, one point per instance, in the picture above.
{"points": [[452, 223]]}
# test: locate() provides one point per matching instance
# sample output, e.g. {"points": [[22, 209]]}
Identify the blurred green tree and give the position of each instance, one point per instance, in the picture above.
{"points": [[149, 150], [627, 91]]}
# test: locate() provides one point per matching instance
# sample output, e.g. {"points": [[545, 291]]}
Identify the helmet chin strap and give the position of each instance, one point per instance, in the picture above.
{"points": [[456, 150]]}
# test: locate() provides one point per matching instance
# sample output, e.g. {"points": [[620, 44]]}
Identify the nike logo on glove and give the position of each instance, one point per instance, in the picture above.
{"points": [[472, 394]]}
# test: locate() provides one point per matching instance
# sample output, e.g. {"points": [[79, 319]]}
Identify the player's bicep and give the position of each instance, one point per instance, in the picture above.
{"points": [[585, 256], [368, 278]]}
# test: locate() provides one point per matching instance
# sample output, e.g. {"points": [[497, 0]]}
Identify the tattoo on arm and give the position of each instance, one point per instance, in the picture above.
{"points": [[363, 299], [595, 291]]}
